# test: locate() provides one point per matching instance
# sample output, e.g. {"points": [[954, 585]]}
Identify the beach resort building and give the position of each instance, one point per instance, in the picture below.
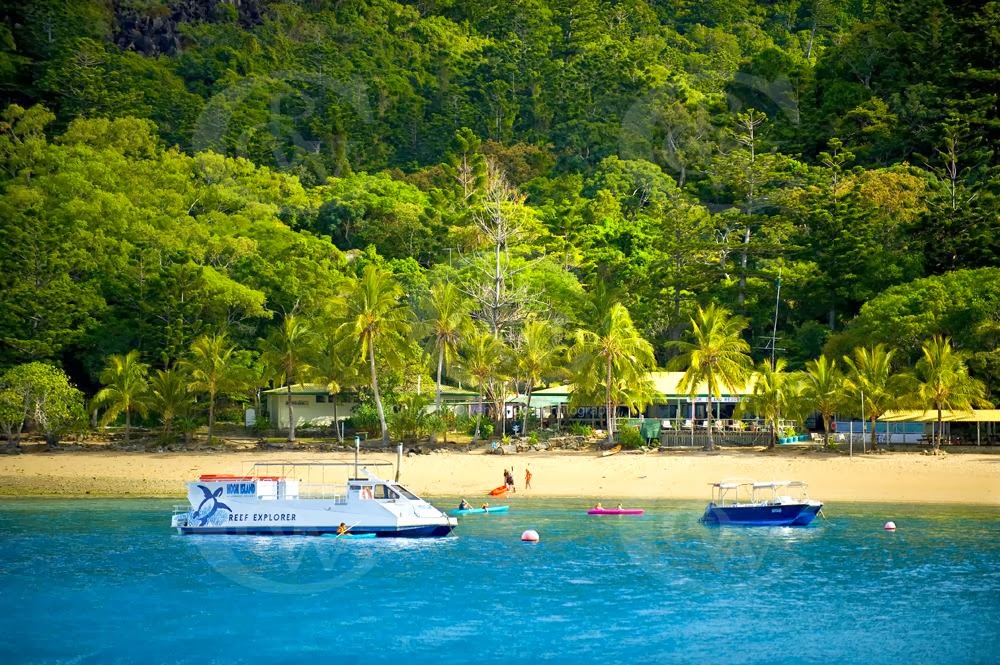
{"points": [[314, 405], [670, 403]]}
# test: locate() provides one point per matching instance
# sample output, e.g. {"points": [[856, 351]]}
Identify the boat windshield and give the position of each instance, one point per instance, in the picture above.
{"points": [[385, 492], [407, 493]]}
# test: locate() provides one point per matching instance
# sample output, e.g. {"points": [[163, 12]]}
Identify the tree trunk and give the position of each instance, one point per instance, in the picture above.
{"points": [[527, 409], [937, 436], [812, 38], [211, 416], [128, 425], [501, 420], [744, 262], [479, 415], [336, 422], [874, 439], [711, 440], [291, 412], [607, 403], [437, 392], [378, 398]]}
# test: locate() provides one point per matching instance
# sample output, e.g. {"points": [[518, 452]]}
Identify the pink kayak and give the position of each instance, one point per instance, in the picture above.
{"points": [[615, 511]]}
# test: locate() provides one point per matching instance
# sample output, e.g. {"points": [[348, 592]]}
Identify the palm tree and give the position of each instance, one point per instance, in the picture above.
{"points": [[286, 350], [635, 391], [535, 359], [168, 396], [214, 368], [822, 390], [446, 323], [773, 395], [872, 383], [944, 381], [718, 357], [615, 352], [335, 366], [376, 319], [482, 362], [125, 389]]}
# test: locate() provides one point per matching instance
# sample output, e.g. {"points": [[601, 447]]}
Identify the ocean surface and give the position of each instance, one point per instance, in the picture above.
{"points": [[107, 581]]}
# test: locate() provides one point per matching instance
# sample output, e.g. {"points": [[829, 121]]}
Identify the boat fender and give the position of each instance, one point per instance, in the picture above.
{"points": [[890, 526], [530, 536]]}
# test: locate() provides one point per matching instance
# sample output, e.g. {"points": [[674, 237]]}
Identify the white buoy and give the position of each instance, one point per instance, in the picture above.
{"points": [[890, 526], [530, 536]]}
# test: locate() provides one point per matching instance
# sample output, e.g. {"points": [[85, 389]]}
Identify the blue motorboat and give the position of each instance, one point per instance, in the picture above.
{"points": [[749, 503]]}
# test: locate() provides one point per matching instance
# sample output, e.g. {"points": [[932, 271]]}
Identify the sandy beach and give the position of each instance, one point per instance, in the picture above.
{"points": [[967, 478]]}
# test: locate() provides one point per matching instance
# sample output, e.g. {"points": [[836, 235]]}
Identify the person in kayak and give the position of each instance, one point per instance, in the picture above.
{"points": [[485, 505], [464, 505], [598, 506], [342, 529]]}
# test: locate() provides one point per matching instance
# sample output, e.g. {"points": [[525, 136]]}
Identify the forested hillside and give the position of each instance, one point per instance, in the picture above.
{"points": [[179, 168]]}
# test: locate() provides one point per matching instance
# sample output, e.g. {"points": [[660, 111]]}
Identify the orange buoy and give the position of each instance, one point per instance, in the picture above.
{"points": [[890, 526], [530, 536]]}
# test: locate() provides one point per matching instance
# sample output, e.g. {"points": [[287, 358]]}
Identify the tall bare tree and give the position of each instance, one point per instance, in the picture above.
{"points": [[499, 302]]}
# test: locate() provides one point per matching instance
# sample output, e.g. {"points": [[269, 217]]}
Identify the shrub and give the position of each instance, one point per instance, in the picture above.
{"points": [[630, 438], [579, 429], [409, 419], [364, 418], [462, 423], [485, 428]]}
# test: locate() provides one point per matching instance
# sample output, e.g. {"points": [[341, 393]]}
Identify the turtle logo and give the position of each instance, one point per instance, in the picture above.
{"points": [[210, 503]]}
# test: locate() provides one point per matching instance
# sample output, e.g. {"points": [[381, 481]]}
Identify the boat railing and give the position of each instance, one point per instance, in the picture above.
{"points": [[323, 491], [181, 508]]}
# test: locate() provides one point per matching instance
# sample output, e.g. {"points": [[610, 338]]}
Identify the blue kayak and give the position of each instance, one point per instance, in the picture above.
{"points": [[349, 536], [480, 511]]}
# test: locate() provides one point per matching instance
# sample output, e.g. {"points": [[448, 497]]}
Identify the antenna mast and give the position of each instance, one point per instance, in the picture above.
{"points": [[772, 340], [774, 331]]}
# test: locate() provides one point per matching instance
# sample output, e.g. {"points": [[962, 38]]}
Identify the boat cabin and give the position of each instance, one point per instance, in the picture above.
{"points": [[263, 488]]}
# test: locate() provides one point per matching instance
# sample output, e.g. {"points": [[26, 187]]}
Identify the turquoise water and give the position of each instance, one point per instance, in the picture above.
{"points": [[108, 581]]}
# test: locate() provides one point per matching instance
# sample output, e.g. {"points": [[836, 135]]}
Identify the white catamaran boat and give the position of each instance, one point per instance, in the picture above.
{"points": [[296, 499]]}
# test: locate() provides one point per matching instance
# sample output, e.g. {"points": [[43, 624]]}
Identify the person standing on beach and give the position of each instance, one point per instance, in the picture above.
{"points": [[527, 478], [508, 479]]}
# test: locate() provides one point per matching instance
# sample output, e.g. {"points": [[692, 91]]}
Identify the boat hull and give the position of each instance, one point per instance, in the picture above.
{"points": [[807, 515], [758, 515], [479, 511], [423, 531]]}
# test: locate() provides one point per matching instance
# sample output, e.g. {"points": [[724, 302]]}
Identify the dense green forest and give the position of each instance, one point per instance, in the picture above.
{"points": [[176, 170]]}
